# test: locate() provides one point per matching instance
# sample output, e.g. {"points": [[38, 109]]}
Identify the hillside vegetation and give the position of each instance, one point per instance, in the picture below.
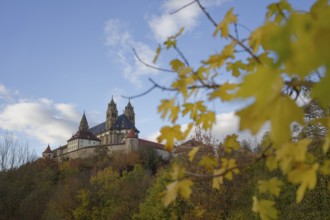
{"points": [[132, 186]]}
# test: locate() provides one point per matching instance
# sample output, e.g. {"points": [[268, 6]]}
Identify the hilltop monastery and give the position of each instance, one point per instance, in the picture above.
{"points": [[117, 133]]}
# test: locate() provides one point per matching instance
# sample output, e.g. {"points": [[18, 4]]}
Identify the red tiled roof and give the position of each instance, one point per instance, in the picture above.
{"points": [[131, 134], [48, 150], [152, 144]]}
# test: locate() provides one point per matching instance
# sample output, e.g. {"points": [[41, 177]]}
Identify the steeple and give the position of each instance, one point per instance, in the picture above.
{"points": [[112, 114], [129, 112], [83, 123]]}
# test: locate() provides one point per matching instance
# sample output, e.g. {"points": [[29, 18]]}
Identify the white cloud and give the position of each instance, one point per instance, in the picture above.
{"points": [[121, 44], [5, 93], [47, 121], [167, 24]]}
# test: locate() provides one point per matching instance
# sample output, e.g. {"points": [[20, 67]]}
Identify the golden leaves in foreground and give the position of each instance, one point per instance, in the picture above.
{"points": [[272, 186], [306, 176], [223, 25], [265, 208], [180, 186]]}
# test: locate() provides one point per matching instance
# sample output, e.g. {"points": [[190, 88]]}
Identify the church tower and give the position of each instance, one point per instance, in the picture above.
{"points": [[129, 112], [112, 114]]}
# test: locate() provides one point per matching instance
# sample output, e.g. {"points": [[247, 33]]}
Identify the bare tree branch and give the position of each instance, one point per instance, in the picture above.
{"points": [[139, 95], [186, 5], [151, 66], [230, 36]]}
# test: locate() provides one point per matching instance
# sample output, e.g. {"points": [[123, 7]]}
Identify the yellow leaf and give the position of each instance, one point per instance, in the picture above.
{"points": [[171, 193], [325, 168], [236, 67], [291, 153], [208, 162], [169, 135], [194, 109], [223, 25], [284, 111], [231, 143], [185, 188], [320, 91], [217, 181], [159, 48], [177, 65], [192, 153], [273, 186], [224, 92], [168, 108], [177, 172], [170, 43], [206, 120], [265, 208], [255, 39], [306, 176], [271, 163]]}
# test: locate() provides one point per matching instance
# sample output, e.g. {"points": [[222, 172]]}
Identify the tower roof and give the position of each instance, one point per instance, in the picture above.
{"points": [[112, 102], [83, 132], [129, 105], [123, 123], [83, 123], [48, 150], [131, 134]]}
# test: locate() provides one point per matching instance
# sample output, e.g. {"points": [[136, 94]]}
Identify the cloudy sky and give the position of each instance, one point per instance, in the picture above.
{"points": [[59, 58]]}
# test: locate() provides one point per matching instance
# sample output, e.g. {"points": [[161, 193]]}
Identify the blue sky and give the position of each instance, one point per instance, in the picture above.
{"points": [[61, 57]]}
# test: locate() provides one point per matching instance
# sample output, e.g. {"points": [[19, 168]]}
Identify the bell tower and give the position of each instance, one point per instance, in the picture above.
{"points": [[112, 114], [129, 112]]}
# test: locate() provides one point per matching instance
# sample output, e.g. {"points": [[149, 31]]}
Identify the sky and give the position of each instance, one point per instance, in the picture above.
{"points": [[59, 58]]}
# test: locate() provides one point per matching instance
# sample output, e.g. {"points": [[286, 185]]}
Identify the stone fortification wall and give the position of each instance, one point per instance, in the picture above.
{"points": [[89, 151]]}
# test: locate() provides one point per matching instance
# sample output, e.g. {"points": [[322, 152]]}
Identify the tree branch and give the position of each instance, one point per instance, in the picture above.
{"points": [[230, 36], [151, 66], [179, 9]]}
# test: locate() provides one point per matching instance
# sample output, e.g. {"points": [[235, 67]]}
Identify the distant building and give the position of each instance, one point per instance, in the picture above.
{"points": [[117, 133]]}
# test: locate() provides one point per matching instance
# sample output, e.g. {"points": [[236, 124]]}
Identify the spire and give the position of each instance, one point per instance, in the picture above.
{"points": [[112, 102], [83, 123], [48, 150]]}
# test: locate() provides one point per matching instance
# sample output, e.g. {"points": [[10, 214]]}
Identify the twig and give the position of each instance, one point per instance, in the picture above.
{"points": [[236, 32], [142, 94], [177, 10], [230, 36], [281, 11], [151, 66], [181, 55], [243, 26]]}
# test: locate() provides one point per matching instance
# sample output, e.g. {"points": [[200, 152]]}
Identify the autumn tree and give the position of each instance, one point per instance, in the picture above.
{"points": [[288, 53]]}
